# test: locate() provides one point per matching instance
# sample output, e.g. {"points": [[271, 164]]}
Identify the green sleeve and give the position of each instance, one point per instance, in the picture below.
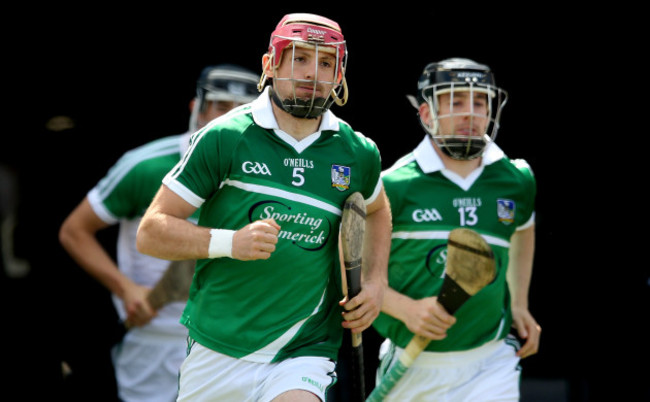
{"points": [[198, 171]]}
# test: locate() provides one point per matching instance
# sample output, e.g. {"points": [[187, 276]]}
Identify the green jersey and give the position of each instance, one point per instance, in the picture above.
{"points": [[427, 202], [242, 168], [123, 196]]}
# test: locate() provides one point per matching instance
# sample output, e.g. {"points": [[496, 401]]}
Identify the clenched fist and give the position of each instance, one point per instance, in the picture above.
{"points": [[255, 241]]}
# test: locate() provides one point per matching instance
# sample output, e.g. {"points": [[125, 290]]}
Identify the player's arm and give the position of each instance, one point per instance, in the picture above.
{"points": [[520, 268], [165, 232], [424, 317], [78, 237], [376, 249]]}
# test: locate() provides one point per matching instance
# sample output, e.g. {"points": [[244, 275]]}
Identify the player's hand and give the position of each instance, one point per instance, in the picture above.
{"points": [[427, 317], [528, 329], [360, 311], [255, 241], [138, 310]]}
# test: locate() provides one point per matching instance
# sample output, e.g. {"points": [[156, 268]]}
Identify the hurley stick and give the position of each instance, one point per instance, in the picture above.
{"points": [[173, 286], [353, 223], [470, 267]]}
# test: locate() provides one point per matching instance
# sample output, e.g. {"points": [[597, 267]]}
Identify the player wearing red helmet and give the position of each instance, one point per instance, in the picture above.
{"points": [[271, 179], [309, 86]]}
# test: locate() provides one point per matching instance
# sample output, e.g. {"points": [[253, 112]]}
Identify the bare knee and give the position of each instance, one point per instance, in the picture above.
{"points": [[296, 395]]}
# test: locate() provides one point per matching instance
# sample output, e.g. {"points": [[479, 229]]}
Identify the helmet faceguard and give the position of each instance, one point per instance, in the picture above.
{"points": [[460, 78], [224, 82], [307, 31]]}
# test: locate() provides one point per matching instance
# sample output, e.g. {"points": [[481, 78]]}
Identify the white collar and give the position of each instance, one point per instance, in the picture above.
{"points": [[429, 161], [263, 116]]}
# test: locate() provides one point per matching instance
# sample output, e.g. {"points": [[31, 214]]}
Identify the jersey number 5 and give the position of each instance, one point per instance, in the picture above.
{"points": [[298, 178]]}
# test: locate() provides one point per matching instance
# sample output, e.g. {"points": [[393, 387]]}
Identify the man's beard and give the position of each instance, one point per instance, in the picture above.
{"points": [[301, 108], [462, 149]]}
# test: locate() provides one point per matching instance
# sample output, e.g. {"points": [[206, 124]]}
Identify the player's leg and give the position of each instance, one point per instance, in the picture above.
{"points": [[146, 363], [498, 378], [455, 376], [298, 379], [206, 374]]}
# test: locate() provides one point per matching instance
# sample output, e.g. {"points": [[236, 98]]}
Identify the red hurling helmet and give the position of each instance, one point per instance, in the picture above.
{"points": [[310, 31]]}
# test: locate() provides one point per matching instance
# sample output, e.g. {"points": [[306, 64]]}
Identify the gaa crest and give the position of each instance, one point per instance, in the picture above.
{"points": [[505, 211], [340, 177]]}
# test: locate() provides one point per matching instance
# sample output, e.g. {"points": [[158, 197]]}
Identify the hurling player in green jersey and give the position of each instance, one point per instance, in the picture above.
{"points": [[148, 358], [266, 311], [458, 177]]}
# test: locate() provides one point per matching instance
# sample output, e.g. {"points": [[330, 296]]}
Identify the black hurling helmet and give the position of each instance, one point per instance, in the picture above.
{"points": [[223, 82], [451, 76]]}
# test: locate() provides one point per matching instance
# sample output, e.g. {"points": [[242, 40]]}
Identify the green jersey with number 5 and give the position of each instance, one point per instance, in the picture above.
{"points": [[242, 168]]}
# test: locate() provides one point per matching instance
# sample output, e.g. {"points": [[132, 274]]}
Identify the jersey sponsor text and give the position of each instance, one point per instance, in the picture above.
{"points": [[311, 233]]}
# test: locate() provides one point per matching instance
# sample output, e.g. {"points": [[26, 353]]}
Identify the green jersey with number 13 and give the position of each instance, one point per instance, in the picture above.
{"points": [[427, 202]]}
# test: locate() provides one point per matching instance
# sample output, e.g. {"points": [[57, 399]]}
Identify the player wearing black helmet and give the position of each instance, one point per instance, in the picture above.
{"points": [[148, 358], [460, 106], [458, 177], [219, 89]]}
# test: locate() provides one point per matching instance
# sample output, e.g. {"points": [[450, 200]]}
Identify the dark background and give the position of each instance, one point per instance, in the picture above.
{"points": [[126, 76]]}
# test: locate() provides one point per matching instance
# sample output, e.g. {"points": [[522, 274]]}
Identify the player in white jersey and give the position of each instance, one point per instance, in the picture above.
{"points": [[458, 177], [148, 358], [271, 178]]}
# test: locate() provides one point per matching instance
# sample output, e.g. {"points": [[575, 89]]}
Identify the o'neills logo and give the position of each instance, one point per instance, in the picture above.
{"points": [[301, 228]]}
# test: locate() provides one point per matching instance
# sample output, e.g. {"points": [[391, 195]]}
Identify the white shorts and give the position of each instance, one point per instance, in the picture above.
{"points": [[147, 363], [488, 373], [207, 375]]}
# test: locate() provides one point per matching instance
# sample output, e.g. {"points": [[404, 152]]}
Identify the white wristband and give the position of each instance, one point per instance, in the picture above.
{"points": [[220, 243]]}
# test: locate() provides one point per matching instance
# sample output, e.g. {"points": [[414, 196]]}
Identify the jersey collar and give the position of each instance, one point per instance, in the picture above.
{"points": [[429, 161]]}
